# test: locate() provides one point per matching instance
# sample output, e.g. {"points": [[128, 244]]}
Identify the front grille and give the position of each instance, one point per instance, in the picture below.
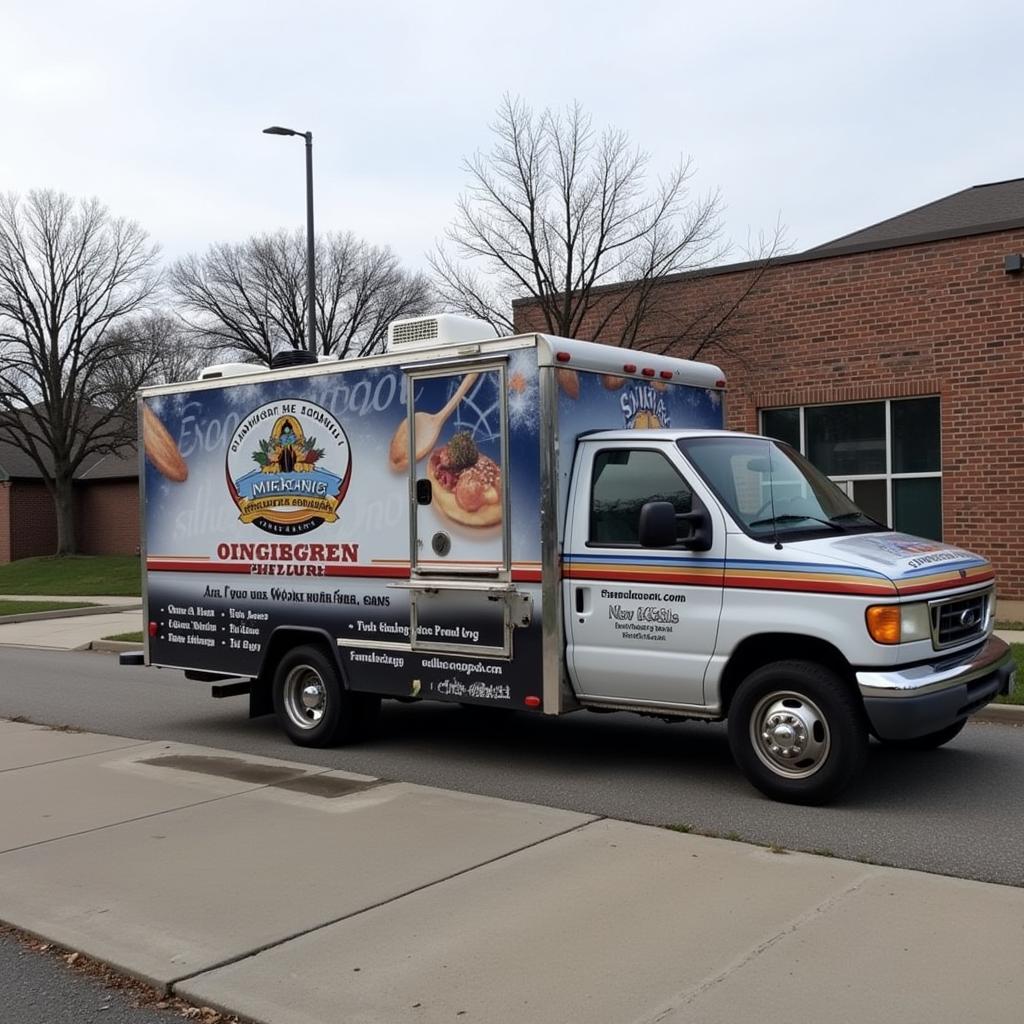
{"points": [[959, 620]]}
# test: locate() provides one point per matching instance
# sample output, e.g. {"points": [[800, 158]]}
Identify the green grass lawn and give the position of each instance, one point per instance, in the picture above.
{"points": [[113, 575], [1017, 696], [127, 638], [24, 607]]}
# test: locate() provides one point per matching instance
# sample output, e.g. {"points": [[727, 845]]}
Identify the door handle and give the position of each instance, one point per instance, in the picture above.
{"points": [[582, 601]]}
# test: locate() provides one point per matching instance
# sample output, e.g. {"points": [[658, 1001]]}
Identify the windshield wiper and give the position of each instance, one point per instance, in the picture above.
{"points": [[776, 520], [847, 516]]}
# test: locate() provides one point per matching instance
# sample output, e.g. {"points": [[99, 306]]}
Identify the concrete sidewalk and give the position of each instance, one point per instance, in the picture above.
{"points": [[292, 895], [75, 631]]}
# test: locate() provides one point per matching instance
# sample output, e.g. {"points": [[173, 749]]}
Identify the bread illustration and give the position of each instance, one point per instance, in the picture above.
{"points": [[160, 448], [569, 382]]}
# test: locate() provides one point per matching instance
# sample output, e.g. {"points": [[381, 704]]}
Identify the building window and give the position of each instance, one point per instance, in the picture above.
{"points": [[884, 455]]}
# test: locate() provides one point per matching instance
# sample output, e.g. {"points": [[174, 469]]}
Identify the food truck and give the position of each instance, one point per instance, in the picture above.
{"points": [[546, 525]]}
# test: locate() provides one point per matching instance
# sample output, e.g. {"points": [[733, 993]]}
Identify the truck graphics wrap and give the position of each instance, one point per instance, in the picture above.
{"points": [[288, 504]]}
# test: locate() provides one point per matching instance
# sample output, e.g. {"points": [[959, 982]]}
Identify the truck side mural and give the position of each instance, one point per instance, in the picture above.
{"points": [[291, 502]]}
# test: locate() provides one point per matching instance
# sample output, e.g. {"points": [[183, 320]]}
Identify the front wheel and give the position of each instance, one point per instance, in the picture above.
{"points": [[313, 707], [798, 732]]}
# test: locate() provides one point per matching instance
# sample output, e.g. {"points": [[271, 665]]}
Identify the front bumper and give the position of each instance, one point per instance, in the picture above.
{"points": [[921, 699]]}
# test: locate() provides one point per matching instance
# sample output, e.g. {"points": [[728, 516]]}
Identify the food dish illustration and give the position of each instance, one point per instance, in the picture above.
{"points": [[427, 428], [466, 483]]}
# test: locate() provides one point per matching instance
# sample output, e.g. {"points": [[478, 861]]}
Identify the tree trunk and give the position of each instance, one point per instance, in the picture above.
{"points": [[64, 505]]}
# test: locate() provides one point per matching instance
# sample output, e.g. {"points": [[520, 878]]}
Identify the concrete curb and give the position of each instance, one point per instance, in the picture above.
{"points": [[69, 613], [1006, 714], [115, 645]]}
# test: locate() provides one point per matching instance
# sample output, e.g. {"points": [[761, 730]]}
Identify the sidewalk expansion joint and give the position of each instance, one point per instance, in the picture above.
{"points": [[72, 757], [257, 950], [692, 994], [154, 814]]}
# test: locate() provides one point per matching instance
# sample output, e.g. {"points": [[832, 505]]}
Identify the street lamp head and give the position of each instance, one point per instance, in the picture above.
{"points": [[277, 130]]}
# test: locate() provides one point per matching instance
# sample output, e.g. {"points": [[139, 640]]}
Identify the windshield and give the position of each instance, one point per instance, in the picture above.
{"points": [[770, 489]]}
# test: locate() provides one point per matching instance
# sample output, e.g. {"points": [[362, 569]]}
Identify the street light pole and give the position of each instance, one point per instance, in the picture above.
{"points": [[310, 247]]}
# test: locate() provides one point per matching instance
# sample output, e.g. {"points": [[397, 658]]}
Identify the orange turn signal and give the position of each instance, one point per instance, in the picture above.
{"points": [[884, 623]]}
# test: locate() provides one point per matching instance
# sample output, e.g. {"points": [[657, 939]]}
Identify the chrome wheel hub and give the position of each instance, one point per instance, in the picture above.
{"points": [[790, 735], [305, 697]]}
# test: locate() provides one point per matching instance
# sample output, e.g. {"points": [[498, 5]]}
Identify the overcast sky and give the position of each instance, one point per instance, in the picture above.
{"points": [[830, 116]]}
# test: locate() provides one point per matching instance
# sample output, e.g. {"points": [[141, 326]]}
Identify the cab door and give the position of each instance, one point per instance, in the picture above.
{"points": [[641, 623]]}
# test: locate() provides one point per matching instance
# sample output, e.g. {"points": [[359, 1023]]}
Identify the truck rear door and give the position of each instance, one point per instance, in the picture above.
{"points": [[641, 623], [460, 573]]}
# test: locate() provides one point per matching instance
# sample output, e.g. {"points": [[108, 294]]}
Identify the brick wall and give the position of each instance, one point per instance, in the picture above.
{"points": [[33, 520], [933, 319], [108, 517], [5, 522]]}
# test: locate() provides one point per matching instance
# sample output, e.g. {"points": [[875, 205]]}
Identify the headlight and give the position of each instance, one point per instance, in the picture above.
{"points": [[898, 623]]}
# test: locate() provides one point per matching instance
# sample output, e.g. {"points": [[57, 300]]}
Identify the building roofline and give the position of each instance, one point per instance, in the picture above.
{"points": [[816, 254]]}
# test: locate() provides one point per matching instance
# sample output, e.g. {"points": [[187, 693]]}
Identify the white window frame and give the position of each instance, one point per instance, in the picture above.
{"points": [[888, 476]]}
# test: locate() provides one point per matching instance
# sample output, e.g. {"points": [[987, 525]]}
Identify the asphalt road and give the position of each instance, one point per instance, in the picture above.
{"points": [[38, 989], [955, 811]]}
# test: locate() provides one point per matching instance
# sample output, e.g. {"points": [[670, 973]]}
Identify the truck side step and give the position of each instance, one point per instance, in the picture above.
{"points": [[131, 658], [231, 689]]}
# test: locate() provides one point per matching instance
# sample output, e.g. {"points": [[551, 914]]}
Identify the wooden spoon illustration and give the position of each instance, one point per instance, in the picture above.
{"points": [[428, 427]]}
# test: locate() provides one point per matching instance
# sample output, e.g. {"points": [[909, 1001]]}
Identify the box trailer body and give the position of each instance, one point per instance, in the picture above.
{"points": [[477, 521], [420, 600]]}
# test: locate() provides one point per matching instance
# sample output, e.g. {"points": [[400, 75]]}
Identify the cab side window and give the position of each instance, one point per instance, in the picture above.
{"points": [[623, 481]]}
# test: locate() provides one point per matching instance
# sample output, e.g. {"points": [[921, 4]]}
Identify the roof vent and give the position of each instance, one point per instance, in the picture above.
{"points": [[292, 357], [443, 329], [229, 370]]}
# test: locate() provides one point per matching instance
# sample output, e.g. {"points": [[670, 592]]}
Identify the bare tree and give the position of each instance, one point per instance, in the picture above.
{"points": [[557, 211], [69, 272], [155, 348], [712, 312], [251, 298]]}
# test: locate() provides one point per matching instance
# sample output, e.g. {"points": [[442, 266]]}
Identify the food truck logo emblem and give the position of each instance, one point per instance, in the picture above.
{"points": [[644, 408], [299, 480]]}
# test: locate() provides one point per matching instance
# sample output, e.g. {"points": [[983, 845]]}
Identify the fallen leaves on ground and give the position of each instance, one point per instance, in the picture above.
{"points": [[141, 995]]}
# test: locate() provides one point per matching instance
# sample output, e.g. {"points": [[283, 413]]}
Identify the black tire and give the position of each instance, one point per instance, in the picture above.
{"points": [[931, 741], [330, 716], [798, 732]]}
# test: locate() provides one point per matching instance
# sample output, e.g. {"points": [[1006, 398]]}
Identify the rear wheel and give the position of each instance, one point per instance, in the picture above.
{"points": [[932, 740], [313, 707], [797, 732]]}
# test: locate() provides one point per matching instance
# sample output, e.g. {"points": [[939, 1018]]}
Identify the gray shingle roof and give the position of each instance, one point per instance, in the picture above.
{"points": [[116, 466], [16, 465], [973, 211]]}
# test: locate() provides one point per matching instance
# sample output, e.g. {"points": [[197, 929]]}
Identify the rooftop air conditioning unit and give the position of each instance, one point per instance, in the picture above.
{"points": [[439, 331]]}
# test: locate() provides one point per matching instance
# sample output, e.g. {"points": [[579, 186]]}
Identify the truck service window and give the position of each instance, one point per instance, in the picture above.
{"points": [[624, 481]]}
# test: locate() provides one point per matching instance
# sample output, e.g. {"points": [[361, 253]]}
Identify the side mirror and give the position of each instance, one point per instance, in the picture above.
{"points": [[699, 538], [658, 525]]}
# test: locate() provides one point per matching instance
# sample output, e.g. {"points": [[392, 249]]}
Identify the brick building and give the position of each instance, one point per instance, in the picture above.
{"points": [[894, 358], [106, 507]]}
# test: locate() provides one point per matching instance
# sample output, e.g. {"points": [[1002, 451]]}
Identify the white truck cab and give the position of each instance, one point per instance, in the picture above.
{"points": [[772, 599], [545, 525]]}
